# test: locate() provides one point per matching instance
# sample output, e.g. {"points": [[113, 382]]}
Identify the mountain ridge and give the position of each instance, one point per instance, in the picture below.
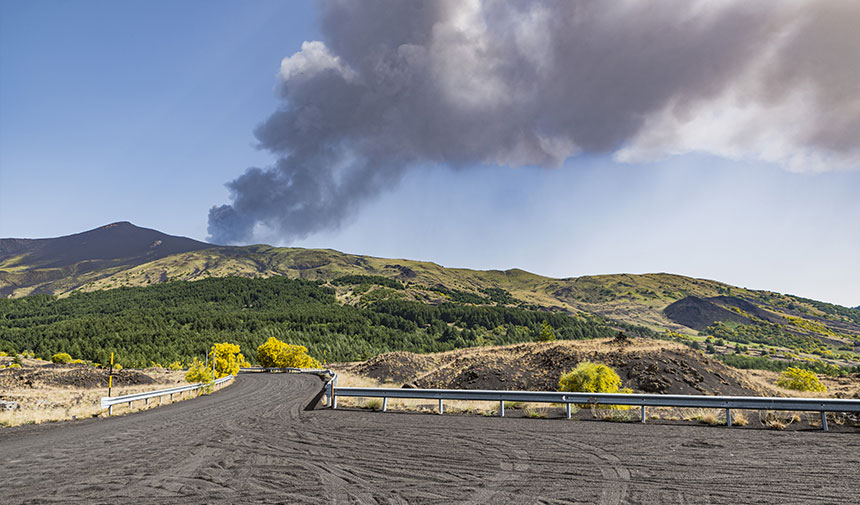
{"points": [[28, 266], [741, 324], [46, 265]]}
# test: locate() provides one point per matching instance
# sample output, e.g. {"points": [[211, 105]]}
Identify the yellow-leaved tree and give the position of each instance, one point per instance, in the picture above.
{"points": [[198, 371], [277, 354], [227, 358]]}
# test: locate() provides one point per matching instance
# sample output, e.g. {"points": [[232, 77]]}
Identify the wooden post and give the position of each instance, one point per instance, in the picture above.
{"points": [[110, 374]]}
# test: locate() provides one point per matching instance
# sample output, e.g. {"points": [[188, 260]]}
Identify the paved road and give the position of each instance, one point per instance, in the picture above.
{"points": [[254, 442]]}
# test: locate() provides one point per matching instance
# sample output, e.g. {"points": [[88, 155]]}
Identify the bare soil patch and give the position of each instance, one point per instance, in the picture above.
{"points": [[648, 366], [46, 391]]}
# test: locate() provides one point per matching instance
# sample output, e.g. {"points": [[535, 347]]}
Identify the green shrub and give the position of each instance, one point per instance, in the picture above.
{"points": [[800, 380], [590, 377], [546, 333], [198, 371]]}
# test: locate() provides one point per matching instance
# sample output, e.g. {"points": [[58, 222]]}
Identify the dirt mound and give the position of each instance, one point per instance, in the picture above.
{"points": [[396, 366], [696, 313], [644, 366], [79, 377]]}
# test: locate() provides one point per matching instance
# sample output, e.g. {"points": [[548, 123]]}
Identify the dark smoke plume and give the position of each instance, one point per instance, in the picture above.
{"points": [[398, 84]]}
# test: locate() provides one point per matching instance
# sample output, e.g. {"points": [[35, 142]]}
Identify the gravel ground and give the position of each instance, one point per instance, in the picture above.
{"points": [[256, 442]]}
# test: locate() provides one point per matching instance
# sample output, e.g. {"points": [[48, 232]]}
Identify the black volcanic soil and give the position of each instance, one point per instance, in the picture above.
{"points": [[255, 442], [79, 376], [644, 366], [698, 313]]}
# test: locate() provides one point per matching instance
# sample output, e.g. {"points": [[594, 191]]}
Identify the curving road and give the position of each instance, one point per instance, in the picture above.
{"points": [[254, 442]]}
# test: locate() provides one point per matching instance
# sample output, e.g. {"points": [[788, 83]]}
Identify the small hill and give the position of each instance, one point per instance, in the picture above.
{"points": [[30, 266], [646, 366], [698, 314]]}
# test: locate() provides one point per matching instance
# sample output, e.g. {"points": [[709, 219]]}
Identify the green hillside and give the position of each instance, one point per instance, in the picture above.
{"points": [[717, 317], [179, 320]]}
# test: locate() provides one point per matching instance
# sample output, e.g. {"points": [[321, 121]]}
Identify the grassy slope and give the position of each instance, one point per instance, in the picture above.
{"points": [[628, 298], [637, 299]]}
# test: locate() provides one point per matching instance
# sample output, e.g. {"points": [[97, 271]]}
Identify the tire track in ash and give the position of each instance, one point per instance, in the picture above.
{"points": [[481, 464], [253, 442]]}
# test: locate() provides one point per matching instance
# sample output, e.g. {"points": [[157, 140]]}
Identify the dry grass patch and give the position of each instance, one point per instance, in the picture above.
{"points": [[739, 418], [779, 420], [63, 404], [40, 403], [348, 379]]}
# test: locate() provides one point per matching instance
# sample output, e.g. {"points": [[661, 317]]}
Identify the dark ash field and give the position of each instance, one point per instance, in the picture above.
{"points": [[257, 442]]}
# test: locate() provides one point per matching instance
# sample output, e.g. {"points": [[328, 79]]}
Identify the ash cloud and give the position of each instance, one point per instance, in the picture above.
{"points": [[398, 85]]}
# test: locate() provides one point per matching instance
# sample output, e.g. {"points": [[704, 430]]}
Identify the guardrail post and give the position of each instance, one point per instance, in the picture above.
{"points": [[643, 413], [729, 417], [333, 393], [171, 397], [110, 409], [502, 408], [441, 408], [129, 404], [384, 403], [824, 420], [568, 409], [147, 403]]}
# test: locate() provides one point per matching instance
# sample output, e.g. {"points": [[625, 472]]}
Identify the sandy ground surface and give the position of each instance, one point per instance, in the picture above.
{"points": [[48, 392], [255, 442]]}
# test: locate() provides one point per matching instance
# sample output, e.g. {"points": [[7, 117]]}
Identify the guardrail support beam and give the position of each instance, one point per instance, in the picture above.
{"points": [[385, 404], [441, 407], [728, 417], [567, 405], [824, 420], [502, 408], [642, 414]]}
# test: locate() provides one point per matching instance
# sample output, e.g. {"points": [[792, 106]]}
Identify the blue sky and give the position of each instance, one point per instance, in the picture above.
{"points": [[142, 111]]}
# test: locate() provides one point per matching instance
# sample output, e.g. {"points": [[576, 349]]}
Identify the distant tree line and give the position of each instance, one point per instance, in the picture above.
{"points": [[174, 321], [761, 363]]}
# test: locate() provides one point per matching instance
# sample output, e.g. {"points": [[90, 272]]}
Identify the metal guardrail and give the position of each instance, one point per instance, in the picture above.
{"points": [[822, 405], [332, 391], [107, 402]]}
